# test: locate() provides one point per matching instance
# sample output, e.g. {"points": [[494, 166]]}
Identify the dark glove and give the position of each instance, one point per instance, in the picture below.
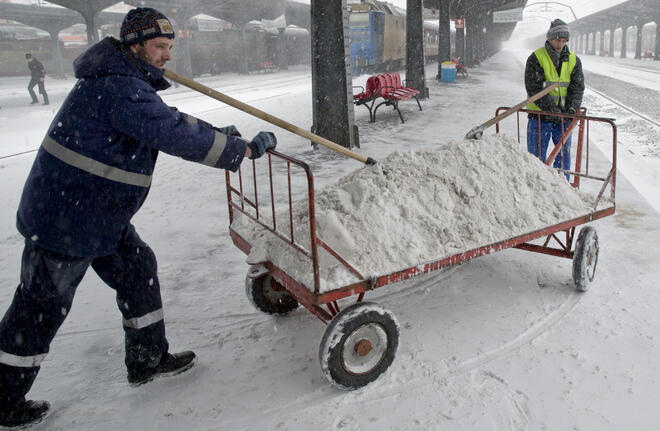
{"points": [[260, 143], [571, 111], [555, 110], [229, 130]]}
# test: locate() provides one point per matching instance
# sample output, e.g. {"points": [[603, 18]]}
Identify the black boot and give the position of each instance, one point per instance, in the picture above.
{"points": [[23, 413], [170, 365]]}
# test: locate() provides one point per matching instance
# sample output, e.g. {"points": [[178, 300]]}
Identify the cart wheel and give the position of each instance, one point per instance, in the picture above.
{"points": [[358, 345], [585, 258], [268, 295]]}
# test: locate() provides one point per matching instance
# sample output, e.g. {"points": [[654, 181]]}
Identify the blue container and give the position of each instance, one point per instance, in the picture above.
{"points": [[447, 74]]}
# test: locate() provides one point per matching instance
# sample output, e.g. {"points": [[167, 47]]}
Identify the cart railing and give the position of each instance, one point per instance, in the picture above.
{"points": [[581, 165], [248, 203]]}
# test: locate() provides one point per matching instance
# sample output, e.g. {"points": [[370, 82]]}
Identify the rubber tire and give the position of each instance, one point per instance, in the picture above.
{"points": [[264, 298], [585, 258], [343, 325]]}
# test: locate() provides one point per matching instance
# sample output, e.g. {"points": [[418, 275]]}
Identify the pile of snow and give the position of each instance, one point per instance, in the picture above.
{"points": [[418, 206]]}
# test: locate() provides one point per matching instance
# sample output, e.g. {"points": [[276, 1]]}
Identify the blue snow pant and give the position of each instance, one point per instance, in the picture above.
{"points": [[43, 300], [540, 148]]}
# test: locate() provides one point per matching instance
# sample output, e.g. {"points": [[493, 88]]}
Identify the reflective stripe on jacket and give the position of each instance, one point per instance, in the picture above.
{"points": [[551, 76]]}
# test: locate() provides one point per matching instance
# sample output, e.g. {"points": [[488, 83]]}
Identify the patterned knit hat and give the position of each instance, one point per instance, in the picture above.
{"points": [[144, 23], [558, 30]]}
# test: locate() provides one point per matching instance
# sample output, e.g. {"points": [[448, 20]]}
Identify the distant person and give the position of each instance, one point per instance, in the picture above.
{"points": [[552, 63], [38, 75], [90, 176]]}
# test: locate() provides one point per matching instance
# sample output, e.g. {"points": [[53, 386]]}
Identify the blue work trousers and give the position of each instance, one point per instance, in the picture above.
{"points": [[539, 148], [43, 300]]}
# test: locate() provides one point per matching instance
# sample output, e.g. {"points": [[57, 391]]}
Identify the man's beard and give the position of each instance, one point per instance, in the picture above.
{"points": [[141, 53]]}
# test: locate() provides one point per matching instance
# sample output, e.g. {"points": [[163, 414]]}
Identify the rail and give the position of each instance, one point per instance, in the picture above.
{"points": [[239, 200], [582, 161]]}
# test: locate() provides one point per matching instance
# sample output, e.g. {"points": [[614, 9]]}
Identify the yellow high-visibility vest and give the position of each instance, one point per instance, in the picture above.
{"points": [[550, 72]]}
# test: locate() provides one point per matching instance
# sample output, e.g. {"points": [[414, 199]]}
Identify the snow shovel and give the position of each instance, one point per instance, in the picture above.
{"points": [[477, 132], [190, 83]]}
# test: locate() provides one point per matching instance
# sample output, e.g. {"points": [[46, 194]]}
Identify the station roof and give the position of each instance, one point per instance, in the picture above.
{"points": [[459, 8], [623, 14]]}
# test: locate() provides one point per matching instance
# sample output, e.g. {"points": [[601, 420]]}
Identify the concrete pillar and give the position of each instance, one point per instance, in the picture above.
{"points": [[282, 57], [611, 48], [444, 32], [415, 75], [479, 35], [580, 43], [460, 44], [332, 93], [578, 48], [638, 41], [56, 51], [624, 37], [656, 57], [587, 43], [181, 17], [242, 59], [469, 39], [90, 12], [602, 42], [90, 22], [490, 36]]}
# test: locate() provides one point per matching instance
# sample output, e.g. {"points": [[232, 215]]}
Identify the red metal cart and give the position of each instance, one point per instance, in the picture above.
{"points": [[361, 339]]}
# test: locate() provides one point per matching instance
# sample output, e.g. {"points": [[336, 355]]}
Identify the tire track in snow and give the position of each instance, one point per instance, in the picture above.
{"points": [[443, 371], [526, 337]]}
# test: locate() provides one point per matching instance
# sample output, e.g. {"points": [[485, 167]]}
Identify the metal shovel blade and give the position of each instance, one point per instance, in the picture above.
{"points": [[475, 133]]}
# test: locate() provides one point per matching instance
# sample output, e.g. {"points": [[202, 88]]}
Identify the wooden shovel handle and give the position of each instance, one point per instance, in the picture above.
{"points": [[190, 83], [513, 109]]}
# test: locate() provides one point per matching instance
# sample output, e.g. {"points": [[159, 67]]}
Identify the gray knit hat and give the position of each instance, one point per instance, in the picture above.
{"points": [[558, 30]]}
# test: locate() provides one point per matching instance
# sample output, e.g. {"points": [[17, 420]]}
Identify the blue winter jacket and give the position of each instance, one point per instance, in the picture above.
{"points": [[93, 170]]}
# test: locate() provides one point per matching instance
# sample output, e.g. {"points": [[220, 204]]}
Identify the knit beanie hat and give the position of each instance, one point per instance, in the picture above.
{"points": [[144, 23], [558, 30]]}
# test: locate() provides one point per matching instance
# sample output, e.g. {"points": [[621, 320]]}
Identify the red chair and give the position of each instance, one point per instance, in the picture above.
{"points": [[368, 95], [392, 92], [461, 68]]}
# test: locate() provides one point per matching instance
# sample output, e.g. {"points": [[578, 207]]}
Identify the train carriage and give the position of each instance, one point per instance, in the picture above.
{"points": [[377, 33]]}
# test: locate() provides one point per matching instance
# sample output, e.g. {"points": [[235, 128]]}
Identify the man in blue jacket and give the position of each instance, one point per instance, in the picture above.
{"points": [[90, 176]]}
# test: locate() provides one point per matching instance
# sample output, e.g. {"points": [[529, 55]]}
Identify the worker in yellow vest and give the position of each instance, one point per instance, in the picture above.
{"points": [[552, 63]]}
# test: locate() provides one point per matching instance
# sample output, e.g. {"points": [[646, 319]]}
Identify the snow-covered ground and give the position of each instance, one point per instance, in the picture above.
{"points": [[501, 342]]}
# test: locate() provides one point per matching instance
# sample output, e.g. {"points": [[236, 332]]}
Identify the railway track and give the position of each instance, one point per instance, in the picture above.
{"points": [[621, 105]]}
